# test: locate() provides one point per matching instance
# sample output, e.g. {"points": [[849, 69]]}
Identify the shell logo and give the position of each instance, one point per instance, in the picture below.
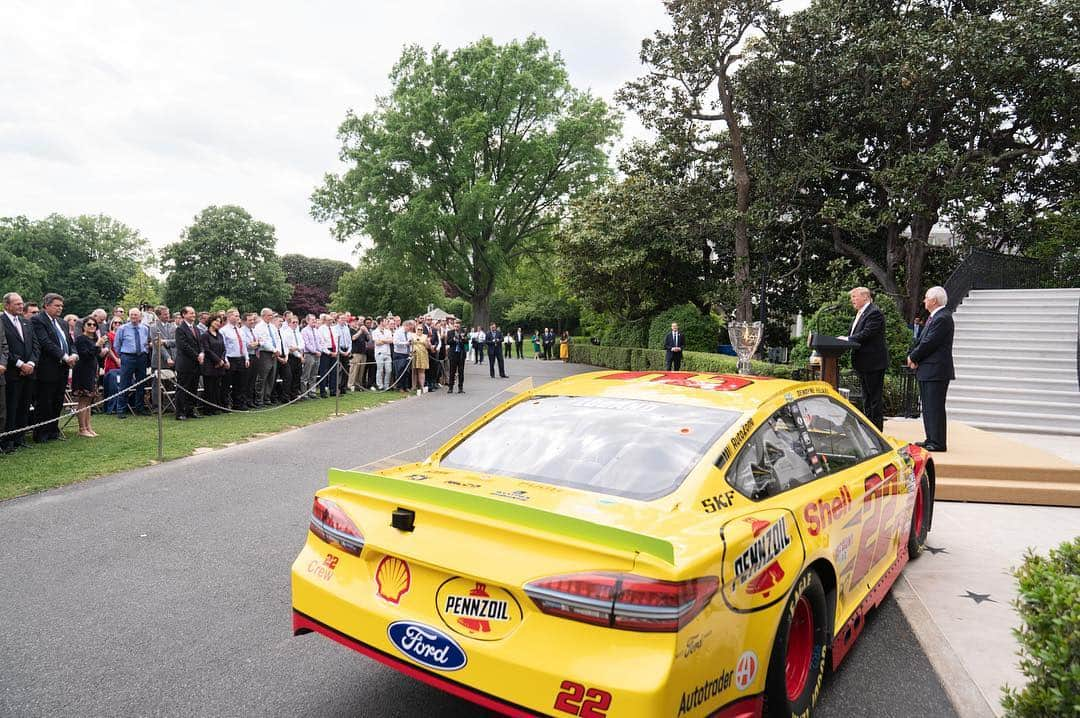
{"points": [[393, 579]]}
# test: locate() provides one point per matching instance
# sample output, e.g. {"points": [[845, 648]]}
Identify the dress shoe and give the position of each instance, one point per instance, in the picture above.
{"points": [[460, 391], [121, 416], [181, 418]]}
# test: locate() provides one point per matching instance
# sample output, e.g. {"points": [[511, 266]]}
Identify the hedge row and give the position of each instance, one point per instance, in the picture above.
{"points": [[633, 359]]}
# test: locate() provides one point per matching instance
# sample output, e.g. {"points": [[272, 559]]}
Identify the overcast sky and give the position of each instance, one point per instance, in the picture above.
{"points": [[150, 111]]}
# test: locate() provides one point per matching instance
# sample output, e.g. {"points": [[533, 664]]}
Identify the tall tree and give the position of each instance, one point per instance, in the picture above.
{"points": [[383, 283], [890, 117], [225, 253], [690, 89], [90, 260], [316, 272], [470, 161]]}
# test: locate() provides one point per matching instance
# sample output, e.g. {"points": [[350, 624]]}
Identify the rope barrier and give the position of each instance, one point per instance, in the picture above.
{"points": [[67, 416]]}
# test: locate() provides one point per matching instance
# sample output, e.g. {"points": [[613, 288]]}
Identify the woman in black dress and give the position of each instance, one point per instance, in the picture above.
{"points": [[214, 364], [85, 374]]}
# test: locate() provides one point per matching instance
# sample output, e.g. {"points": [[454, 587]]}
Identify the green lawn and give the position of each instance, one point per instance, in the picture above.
{"points": [[132, 442]]}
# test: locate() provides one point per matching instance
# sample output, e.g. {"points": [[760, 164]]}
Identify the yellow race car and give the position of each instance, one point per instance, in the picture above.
{"points": [[623, 544]]}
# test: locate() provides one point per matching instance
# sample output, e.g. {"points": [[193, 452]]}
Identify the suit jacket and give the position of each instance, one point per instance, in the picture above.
{"points": [[3, 357], [869, 332], [187, 350], [167, 332], [53, 348], [671, 341], [494, 340], [24, 349], [933, 350]]}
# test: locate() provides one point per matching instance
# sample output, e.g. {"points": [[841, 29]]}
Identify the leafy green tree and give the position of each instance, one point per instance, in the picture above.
{"points": [[142, 289], [88, 259], [382, 284], [883, 119], [313, 271], [690, 89], [220, 304], [225, 253], [468, 164]]}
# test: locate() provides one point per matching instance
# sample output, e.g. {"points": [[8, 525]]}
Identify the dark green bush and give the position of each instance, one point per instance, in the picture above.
{"points": [[702, 331], [626, 334], [636, 359], [837, 322], [1049, 638]]}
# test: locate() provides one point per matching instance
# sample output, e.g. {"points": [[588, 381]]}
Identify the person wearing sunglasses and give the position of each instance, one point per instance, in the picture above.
{"points": [[91, 349]]}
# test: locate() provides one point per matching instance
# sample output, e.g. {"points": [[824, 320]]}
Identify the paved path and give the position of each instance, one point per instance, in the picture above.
{"points": [[165, 590]]}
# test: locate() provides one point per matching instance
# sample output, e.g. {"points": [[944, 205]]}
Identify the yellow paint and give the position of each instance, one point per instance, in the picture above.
{"points": [[524, 656]]}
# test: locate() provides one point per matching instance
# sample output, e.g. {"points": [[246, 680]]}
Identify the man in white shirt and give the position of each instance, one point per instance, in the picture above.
{"points": [[328, 346], [402, 351], [344, 342], [384, 365], [19, 377], [266, 362]]}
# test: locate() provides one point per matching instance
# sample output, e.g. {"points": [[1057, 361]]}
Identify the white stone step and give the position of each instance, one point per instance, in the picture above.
{"points": [[993, 337], [999, 380], [1073, 292], [1017, 421], [1016, 322], [1010, 369], [1015, 405], [1013, 353], [1029, 304], [970, 390], [980, 311], [1033, 361]]}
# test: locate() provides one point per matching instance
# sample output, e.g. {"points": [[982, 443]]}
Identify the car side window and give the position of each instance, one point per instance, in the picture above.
{"points": [[772, 460], [840, 438]]}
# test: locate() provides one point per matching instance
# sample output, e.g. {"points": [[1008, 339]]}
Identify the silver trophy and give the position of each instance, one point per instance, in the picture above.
{"points": [[745, 338]]}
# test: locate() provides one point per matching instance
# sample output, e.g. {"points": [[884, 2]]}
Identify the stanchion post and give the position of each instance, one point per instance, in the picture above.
{"points": [[337, 386], [157, 400]]}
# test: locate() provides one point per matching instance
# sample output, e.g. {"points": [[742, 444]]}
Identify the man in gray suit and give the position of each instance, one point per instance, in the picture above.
{"points": [[162, 348]]}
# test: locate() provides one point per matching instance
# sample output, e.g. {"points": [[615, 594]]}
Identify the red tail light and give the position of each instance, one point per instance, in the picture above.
{"points": [[330, 523], [621, 600]]}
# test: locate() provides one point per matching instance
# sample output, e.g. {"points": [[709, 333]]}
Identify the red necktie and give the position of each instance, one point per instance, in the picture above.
{"points": [[243, 349], [333, 344]]}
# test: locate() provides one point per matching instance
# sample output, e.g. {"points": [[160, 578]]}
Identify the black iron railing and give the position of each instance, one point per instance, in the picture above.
{"points": [[983, 269]]}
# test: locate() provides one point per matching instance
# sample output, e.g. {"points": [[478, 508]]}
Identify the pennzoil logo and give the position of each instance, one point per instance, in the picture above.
{"points": [[393, 579], [477, 609], [772, 540]]}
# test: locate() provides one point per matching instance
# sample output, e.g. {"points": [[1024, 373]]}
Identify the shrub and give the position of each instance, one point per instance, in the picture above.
{"points": [[626, 334], [1050, 635], [637, 359], [836, 321], [702, 331]]}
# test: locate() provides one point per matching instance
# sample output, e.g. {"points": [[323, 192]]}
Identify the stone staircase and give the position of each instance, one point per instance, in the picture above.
{"points": [[1015, 352]]}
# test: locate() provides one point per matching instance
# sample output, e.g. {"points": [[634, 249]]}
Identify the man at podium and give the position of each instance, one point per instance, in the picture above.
{"points": [[871, 357]]}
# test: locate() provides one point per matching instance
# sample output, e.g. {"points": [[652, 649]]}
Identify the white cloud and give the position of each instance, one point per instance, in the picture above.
{"points": [[149, 111]]}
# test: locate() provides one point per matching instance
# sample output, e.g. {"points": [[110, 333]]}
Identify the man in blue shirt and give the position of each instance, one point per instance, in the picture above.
{"points": [[132, 345]]}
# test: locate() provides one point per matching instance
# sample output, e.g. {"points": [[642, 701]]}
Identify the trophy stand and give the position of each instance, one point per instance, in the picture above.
{"points": [[745, 338]]}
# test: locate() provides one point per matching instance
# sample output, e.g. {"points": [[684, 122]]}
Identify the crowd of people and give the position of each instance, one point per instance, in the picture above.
{"points": [[210, 362]]}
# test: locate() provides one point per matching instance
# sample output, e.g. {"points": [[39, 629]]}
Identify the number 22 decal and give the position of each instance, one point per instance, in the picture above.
{"points": [[576, 700]]}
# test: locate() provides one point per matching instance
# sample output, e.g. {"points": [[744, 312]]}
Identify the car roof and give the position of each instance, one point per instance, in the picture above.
{"points": [[733, 392]]}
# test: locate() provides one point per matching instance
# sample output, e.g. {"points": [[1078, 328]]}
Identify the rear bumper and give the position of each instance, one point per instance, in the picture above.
{"points": [[305, 624]]}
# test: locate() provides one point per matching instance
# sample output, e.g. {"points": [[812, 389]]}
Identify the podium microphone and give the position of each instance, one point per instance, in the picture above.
{"points": [[817, 319]]}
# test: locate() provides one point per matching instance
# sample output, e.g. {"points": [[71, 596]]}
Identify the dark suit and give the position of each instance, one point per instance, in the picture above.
{"points": [[18, 388], [187, 369], [3, 393], [457, 346], [870, 361], [495, 353], [933, 355], [52, 373], [673, 359]]}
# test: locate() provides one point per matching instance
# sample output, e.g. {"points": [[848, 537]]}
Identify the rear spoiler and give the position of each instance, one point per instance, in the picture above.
{"points": [[514, 513]]}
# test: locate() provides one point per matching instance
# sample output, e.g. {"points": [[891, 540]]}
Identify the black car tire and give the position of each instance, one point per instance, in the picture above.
{"points": [[792, 687]]}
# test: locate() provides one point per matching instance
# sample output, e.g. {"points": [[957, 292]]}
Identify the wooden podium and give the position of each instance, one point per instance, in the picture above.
{"points": [[830, 349]]}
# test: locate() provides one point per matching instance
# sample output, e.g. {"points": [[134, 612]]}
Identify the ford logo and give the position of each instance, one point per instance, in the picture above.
{"points": [[427, 646]]}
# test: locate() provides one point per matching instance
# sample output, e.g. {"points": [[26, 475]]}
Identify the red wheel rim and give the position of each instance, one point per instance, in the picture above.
{"points": [[800, 646], [918, 517]]}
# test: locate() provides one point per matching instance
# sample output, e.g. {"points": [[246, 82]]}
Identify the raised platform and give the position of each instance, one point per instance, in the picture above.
{"points": [[984, 466]]}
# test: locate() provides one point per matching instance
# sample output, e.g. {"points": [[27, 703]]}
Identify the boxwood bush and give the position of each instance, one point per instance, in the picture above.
{"points": [[636, 359], [1049, 606], [702, 332]]}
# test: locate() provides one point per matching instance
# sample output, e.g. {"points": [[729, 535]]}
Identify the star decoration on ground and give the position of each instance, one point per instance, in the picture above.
{"points": [[935, 551], [978, 597]]}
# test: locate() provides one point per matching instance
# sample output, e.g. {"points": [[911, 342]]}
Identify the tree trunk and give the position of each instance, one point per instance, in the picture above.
{"points": [[744, 309], [481, 310], [915, 258]]}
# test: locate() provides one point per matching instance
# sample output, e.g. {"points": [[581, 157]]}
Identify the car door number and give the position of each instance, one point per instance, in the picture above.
{"points": [[577, 700], [878, 526]]}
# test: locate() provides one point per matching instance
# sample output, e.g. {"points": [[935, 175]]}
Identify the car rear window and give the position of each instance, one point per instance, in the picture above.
{"points": [[623, 447]]}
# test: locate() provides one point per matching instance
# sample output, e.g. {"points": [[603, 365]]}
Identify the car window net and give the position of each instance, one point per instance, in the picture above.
{"points": [[623, 447]]}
